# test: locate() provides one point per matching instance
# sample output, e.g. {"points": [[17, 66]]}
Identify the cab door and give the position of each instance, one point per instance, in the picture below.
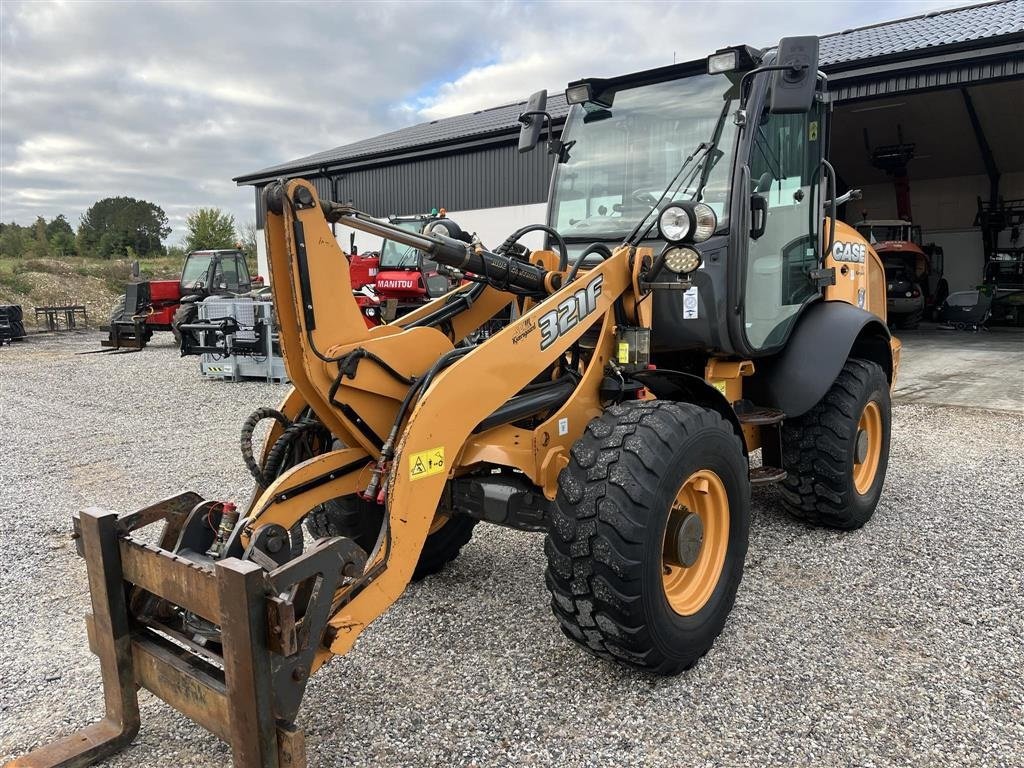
{"points": [[786, 218]]}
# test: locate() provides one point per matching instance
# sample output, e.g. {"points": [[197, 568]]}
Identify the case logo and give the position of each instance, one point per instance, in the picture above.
{"points": [[852, 252]]}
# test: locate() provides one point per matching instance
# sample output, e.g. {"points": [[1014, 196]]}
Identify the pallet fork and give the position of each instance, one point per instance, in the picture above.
{"points": [[248, 691]]}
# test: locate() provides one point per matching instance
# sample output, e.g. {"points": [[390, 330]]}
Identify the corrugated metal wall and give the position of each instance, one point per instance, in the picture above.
{"points": [[492, 177]]}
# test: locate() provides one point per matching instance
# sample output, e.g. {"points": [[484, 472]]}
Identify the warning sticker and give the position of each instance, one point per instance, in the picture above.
{"points": [[690, 303], [719, 385], [426, 463], [623, 355]]}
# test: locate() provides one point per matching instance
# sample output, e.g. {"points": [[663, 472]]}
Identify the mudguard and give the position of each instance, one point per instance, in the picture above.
{"points": [[666, 384], [826, 335]]}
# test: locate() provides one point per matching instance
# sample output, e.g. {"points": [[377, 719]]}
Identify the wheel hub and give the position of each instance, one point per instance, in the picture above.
{"points": [[861, 449], [689, 539]]}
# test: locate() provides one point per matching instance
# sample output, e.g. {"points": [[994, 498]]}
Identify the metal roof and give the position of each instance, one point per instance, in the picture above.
{"points": [[930, 33], [932, 30]]}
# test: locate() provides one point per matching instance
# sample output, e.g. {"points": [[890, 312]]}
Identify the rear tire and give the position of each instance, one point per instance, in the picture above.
{"points": [[116, 314], [826, 484], [185, 313], [614, 590], [361, 521]]}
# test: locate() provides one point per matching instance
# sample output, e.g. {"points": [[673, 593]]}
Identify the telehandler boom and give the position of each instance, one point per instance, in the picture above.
{"points": [[700, 303]]}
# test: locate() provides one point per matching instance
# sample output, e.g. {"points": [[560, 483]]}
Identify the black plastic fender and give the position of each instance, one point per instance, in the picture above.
{"points": [[826, 335], [681, 387]]}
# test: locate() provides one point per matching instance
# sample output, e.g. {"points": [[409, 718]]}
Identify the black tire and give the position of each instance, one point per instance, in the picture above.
{"points": [[605, 545], [819, 451], [361, 520], [185, 313], [116, 313]]}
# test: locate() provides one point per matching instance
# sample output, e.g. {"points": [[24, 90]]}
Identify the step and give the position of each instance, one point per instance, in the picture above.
{"points": [[759, 416], [766, 475]]}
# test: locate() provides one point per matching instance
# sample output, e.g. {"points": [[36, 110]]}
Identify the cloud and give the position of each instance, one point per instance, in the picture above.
{"points": [[547, 45], [167, 102]]}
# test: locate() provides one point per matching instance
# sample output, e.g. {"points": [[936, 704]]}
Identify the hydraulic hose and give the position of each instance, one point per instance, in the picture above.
{"points": [[501, 271], [248, 428]]}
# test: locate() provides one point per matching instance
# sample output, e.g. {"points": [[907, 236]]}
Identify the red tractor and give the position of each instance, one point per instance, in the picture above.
{"points": [[400, 278], [165, 305]]}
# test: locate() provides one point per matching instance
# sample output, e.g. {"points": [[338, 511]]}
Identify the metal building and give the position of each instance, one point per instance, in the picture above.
{"points": [[948, 84]]}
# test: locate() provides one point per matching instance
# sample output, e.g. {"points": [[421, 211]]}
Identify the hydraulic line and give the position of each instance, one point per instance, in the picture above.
{"points": [[248, 428]]}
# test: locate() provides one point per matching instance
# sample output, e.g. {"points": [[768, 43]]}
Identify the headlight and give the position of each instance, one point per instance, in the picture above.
{"points": [[675, 223], [706, 224], [440, 229], [682, 261], [370, 311]]}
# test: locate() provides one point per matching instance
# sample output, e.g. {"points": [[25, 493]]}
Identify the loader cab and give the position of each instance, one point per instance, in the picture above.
{"points": [[722, 132], [209, 273]]}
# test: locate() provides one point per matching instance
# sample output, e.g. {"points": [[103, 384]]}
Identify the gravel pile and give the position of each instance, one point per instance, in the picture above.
{"points": [[900, 644]]}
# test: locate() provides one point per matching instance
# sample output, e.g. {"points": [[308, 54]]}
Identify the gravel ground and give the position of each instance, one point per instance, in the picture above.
{"points": [[900, 644]]}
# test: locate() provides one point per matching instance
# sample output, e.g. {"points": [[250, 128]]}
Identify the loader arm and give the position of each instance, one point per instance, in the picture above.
{"points": [[322, 333]]}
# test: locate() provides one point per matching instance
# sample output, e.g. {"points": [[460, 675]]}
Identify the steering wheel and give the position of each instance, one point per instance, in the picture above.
{"points": [[643, 196]]}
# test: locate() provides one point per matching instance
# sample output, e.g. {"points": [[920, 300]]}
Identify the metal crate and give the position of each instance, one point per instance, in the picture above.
{"points": [[250, 350]]}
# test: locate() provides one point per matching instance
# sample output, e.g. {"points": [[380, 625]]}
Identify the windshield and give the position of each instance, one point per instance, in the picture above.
{"points": [[195, 269], [880, 233], [397, 256], [897, 266], [625, 156]]}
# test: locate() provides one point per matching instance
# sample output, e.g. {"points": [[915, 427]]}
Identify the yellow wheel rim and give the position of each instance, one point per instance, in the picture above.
{"points": [[695, 543], [867, 448], [439, 522]]}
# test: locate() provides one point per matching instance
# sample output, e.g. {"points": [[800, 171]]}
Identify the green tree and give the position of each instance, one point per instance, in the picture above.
{"points": [[113, 224], [208, 228], [247, 238], [14, 240], [61, 237], [40, 245]]}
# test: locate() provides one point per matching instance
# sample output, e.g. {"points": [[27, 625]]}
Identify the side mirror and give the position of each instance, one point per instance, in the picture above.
{"points": [[533, 121], [793, 87]]}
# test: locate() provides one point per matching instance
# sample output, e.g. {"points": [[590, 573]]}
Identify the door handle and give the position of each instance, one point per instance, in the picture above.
{"points": [[758, 215]]}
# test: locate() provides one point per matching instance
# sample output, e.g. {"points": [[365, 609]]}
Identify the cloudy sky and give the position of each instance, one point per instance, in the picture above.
{"points": [[168, 101]]}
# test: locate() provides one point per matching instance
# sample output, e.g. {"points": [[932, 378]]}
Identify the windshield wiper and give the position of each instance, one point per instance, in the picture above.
{"points": [[703, 147]]}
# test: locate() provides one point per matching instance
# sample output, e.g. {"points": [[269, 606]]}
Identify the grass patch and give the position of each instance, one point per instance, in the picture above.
{"points": [[14, 282], [40, 265]]}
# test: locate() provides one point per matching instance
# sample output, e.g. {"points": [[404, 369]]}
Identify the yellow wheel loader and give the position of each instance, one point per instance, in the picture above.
{"points": [[699, 305]]}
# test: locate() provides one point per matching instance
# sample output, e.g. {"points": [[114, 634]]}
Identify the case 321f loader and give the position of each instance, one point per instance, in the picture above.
{"points": [[701, 304]]}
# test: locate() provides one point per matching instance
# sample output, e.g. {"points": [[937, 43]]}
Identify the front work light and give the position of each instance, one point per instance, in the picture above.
{"points": [[675, 223], [578, 94], [707, 222], [682, 260], [723, 61], [593, 90]]}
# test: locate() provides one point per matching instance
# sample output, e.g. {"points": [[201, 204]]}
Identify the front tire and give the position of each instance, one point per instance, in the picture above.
{"points": [[836, 454], [184, 314], [361, 520], [646, 547], [115, 314]]}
